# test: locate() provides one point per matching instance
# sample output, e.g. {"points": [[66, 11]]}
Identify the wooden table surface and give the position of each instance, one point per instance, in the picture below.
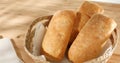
{"points": [[17, 15]]}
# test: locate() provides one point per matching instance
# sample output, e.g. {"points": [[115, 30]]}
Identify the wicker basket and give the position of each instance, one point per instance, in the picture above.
{"points": [[41, 59]]}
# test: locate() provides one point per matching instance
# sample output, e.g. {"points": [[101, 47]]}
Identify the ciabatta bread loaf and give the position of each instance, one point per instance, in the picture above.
{"points": [[86, 10], [90, 8], [83, 20], [87, 44], [58, 34]]}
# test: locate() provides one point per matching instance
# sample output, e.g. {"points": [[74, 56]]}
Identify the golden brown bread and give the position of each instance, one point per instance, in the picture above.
{"points": [[58, 34], [90, 8], [83, 20], [86, 10], [75, 28], [88, 43]]}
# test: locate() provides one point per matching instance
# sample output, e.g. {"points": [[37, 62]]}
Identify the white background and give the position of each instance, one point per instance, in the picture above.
{"points": [[110, 1]]}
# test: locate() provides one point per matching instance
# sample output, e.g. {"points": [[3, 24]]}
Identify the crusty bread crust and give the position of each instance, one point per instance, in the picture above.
{"points": [[83, 20], [90, 8], [88, 43], [58, 34]]}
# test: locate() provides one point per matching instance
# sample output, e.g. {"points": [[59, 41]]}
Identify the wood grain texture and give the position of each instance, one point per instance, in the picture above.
{"points": [[17, 15]]}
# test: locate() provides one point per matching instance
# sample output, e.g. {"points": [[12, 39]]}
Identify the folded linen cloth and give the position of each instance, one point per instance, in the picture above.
{"points": [[7, 52]]}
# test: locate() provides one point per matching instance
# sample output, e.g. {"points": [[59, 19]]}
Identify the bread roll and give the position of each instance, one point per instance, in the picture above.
{"points": [[83, 20], [90, 8], [87, 44], [86, 11], [75, 28], [58, 34]]}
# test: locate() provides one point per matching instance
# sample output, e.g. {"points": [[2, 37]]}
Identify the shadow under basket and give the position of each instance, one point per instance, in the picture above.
{"points": [[103, 58]]}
